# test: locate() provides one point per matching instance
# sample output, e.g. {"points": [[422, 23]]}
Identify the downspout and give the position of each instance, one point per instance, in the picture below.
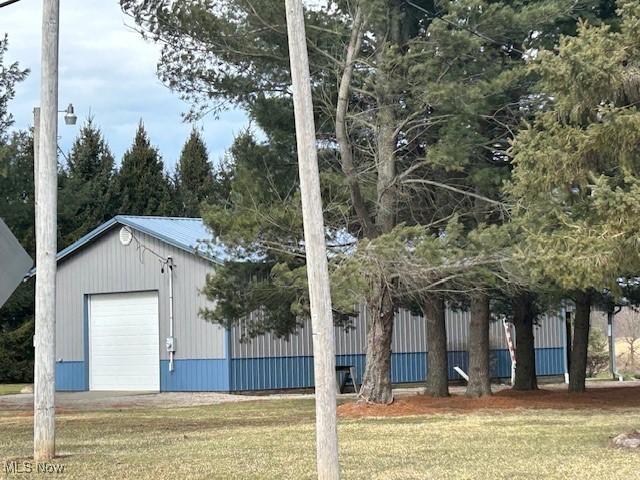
{"points": [[171, 347], [612, 343], [565, 342]]}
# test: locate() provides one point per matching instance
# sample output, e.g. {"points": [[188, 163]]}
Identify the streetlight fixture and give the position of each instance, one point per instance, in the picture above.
{"points": [[70, 117]]}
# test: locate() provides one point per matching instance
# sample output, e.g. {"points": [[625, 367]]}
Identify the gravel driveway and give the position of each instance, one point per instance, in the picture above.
{"points": [[100, 400]]}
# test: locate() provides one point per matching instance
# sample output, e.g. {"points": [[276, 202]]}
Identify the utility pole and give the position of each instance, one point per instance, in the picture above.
{"points": [[324, 359], [46, 186], [36, 155]]}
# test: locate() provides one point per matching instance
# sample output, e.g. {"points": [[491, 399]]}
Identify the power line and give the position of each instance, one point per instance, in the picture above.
{"points": [[464, 27], [6, 3]]}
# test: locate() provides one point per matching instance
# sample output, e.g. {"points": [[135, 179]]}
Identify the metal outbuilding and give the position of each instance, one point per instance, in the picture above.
{"points": [[117, 287]]}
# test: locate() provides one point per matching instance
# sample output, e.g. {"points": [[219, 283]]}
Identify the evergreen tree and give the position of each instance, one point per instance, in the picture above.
{"points": [[87, 194], [17, 210], [143, 187], [194, 176], [10, 75], [405, 136], [576, 169]]}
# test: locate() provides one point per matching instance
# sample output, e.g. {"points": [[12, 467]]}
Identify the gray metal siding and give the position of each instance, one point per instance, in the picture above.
{"points": [[408, 333], [106, 266], [353, 339], [409, 336], [457, 323], [269, 345], [549, 332]]}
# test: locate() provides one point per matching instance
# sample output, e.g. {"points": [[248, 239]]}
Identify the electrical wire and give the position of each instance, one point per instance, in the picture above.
{"points": [[463, 27], [6, 3], [142, 248]]}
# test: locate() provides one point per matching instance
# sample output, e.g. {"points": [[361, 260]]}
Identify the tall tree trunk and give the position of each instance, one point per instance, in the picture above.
{"points": [[376, 380], [523, 318], [578, 371], [434, 310], [479, 375], [569, 339]]}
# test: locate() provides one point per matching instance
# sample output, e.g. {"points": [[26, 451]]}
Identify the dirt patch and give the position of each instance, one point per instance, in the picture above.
{"points": [[596, 398]]}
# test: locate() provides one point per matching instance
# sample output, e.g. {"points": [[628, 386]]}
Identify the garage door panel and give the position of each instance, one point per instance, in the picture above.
{"points": [[116, 315], [109, 365], [131, 339], [125, 334], [106, 324], [122, 348], [129, 336], [116, 371], [124, 341], [116, 318], [119, 360], [114, 384]]}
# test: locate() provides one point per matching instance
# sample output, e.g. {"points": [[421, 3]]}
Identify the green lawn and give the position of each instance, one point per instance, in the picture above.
{"points": [[274, 439], [11, 388]]}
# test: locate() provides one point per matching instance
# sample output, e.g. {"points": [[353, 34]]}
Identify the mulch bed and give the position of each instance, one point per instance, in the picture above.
{"points": [[594, 398]]}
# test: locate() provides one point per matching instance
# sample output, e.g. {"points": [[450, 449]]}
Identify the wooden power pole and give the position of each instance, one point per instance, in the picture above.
{"points": [[46, 190], [324, 359], [36, 155]]}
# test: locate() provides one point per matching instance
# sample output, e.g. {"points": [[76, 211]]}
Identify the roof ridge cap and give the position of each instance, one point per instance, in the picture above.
{"points": [[160, 217]]}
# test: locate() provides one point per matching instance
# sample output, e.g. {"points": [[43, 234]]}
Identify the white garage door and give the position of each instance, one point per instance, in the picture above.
{"points": [[124, 351]]}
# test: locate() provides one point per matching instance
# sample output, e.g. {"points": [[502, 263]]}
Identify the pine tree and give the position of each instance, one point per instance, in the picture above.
{"points": [[407, 133], [10, 75], [194, 176], [87, 194], [17, 211], [16, 189], [576, 169], [142, 185]]}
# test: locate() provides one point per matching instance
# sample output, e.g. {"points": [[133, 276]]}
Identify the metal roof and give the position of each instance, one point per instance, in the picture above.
{"points": [[190, 234]]}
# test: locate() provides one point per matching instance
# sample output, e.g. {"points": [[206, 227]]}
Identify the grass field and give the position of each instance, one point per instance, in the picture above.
{"points": [[11, 388], [274, 440]]}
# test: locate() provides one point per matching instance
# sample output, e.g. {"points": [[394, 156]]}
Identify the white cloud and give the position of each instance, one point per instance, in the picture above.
{"points": [[108, 70]]}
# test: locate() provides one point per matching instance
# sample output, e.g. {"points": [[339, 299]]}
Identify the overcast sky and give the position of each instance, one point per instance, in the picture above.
{"points": [[109, 70]]}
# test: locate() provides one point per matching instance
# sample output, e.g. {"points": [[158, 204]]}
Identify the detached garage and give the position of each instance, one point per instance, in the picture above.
{"points": [[128, 300], [116, 288]]}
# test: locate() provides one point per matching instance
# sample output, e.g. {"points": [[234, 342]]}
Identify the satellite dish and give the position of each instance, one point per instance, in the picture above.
{"points": [[125, 236]]}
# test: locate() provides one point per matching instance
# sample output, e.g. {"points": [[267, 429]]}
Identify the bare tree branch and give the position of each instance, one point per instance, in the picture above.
{"points": [[454, 189], [346, 150]]}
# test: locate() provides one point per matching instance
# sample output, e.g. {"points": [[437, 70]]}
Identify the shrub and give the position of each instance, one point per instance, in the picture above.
{"points": [[16, 354], [597, 353]]}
